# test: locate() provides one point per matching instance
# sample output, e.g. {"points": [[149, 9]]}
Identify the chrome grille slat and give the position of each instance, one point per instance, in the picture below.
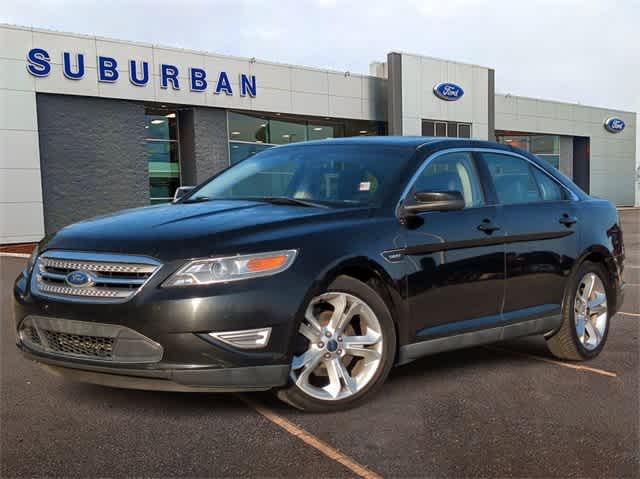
{"points": [[113, 277], [99, 279], [91, 292], [97, 267]]}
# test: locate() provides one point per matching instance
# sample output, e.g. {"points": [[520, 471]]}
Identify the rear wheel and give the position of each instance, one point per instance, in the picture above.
{"points": [[344, 350], [585, 324]]}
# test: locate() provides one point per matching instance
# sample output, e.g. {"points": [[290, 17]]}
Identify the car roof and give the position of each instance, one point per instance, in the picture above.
{"points": [[435, 142]]}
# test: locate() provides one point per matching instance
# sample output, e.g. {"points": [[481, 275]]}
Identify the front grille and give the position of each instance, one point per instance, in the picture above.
{"points": [[108, 277], [84, 340], [31, 333], [80, 345]]}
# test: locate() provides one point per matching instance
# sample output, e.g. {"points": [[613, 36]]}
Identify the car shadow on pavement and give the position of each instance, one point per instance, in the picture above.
{"points": [[195, 404], [427, 370], [177, 404]]}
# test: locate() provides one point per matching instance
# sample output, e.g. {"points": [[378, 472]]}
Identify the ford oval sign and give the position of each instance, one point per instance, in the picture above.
{"points": [[614, 125], [448, 91], [79, 279]]}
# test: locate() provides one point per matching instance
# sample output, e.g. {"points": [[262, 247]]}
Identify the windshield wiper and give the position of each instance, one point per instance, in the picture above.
{"points": [[197, 199], [287, 200]]}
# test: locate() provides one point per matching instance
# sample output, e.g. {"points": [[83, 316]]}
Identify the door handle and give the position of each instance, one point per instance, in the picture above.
{"points": [[568, 220], [487, 226]]}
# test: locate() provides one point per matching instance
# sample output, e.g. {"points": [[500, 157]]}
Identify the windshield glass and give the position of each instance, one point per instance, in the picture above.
{"points": [[339, 175]]}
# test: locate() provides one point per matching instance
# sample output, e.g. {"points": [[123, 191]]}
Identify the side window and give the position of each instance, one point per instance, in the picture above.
{"points": [[549, 189], [512, 178], [452, 172]]}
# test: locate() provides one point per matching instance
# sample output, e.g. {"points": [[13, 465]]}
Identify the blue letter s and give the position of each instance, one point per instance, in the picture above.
{"points": [[39, 65]]}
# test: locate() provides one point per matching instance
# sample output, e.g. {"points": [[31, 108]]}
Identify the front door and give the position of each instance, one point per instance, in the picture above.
{"points": [[456, 283]]}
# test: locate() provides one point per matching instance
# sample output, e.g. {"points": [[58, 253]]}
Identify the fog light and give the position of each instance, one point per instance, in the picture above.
{"points": [[245, 339]]}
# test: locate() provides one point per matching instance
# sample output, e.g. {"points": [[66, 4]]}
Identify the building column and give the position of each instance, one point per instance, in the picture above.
{"points": [[204, 144], [566, 155], [394, 93]]}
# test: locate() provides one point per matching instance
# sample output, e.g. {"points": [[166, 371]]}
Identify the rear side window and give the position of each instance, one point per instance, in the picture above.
{"points": [[549, 189], [513, 179]]}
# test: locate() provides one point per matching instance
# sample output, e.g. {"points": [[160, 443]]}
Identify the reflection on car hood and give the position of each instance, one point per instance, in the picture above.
{"points": [[183, 230]]}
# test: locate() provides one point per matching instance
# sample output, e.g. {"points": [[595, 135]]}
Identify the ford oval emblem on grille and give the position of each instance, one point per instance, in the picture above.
{"points": [[448, 91], [79, 279]]}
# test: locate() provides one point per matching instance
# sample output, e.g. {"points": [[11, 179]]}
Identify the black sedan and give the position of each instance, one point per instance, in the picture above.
{"points": [[311, 269]]}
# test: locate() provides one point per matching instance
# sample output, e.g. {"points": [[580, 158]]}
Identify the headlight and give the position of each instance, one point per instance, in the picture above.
{"points": [[31, 262], [232, 268]]}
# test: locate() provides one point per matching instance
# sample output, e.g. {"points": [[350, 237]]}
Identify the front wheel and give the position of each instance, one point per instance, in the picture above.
{"points": [[344, 350], [585, 322]]}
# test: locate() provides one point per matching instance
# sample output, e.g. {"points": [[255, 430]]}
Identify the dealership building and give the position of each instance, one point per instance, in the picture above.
{"points": [[92, 125]]}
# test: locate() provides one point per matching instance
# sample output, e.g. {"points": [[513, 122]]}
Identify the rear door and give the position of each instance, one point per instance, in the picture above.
{"points": [[541, 235], [456, 283]]}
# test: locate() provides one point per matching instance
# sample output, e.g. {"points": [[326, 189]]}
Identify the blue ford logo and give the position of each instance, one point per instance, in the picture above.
{"points": [[448, 91], [614, 125], [79, 279]]}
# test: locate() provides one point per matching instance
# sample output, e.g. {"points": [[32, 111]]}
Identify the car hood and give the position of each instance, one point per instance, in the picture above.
{"points": [[186, 230]]}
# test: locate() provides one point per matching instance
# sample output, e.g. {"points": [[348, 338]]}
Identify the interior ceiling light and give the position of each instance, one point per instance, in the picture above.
{"points": [[286, 136], [263, 125], [170, 115], [157, 122], [317, 128], [235, 132], [362, 132]]}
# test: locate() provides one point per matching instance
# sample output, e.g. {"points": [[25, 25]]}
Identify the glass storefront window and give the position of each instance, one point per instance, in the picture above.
{"points": [[451, 129], [239, 150], [317, 131], [546, 147], [464, 130], [248, 128], [250, 134], [163, 154], [284, 132]]}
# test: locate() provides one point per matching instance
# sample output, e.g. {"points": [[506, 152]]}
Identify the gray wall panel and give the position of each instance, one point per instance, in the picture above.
{"points": [[92, 155], [211, 146], [491, 82], [188, 173], [394, 93]]}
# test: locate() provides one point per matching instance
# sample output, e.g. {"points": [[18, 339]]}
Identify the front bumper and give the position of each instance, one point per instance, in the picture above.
{"points": [[191, 359], [252, 378]]}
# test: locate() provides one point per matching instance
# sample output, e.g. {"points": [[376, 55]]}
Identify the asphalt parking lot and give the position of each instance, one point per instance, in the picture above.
{"points": [[507, 410]]}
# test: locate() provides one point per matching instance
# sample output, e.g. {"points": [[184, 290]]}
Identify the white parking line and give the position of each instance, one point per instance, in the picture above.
{"points": [[628, 314], [15, 255], [579, 367], [312, 440]]}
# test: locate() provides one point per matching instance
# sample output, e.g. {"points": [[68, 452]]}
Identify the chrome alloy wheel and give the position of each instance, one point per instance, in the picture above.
{"points": [[344, 349], [590, 309]]}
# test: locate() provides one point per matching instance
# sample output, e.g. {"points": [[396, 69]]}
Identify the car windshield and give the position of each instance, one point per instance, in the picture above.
{"points": [[329, 175]]}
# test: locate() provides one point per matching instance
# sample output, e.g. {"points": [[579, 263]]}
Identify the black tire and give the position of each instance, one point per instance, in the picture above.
{"points": [[297, 398], [564, 344]]}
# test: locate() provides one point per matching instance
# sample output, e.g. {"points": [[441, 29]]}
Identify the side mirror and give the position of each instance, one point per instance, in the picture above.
{"points": [[181, 191], [436, 201]]}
